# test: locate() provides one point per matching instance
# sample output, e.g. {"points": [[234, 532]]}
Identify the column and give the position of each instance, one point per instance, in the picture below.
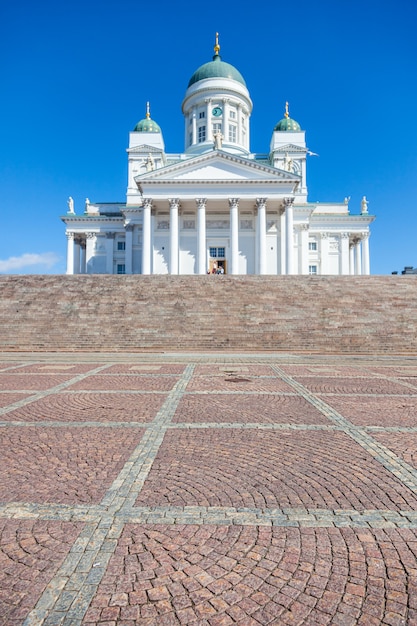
{"points": [[303, 249], [70, 253], [89, 252], [324, 253], [109, 252], [358, 257], [234, 235], [174, 204], [194, 129], [261, 234], [239, 124], [283, 240], [351, 258], [289, 228], [344, 264], [201, 236], [209, 130], [129, 249], [365, 258], [226, 122], [146, 236]]}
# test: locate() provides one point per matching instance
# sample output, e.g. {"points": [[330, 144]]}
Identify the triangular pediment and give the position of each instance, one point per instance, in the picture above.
{"points": [[144, 148], [291, 147], [217, 166]]}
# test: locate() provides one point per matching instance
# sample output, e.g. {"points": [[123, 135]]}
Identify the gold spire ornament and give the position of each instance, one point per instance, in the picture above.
{"points": [[217, 45], [287, 115], [148, 112]]}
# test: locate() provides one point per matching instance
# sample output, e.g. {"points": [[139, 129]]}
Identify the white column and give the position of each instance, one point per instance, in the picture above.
{"points": [[344, 254], [146, 236], [324, 253], [70, 253], [209, 130], [239, 125], [194, 128], [303, 249], [129, 249], [109, 252], [89, 252], [351, 258], [289, 228], [226, 121], [261, 234], [358, 258], [283, 240], [173, 235], [234, 235], [365, 258], [201, 235]]}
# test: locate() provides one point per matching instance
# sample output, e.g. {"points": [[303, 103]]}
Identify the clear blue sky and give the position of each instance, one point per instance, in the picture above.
{"points": [[76, 77]]}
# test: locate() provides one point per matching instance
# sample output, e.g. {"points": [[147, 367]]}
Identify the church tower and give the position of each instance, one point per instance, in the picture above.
{"points": [[217, 108]]}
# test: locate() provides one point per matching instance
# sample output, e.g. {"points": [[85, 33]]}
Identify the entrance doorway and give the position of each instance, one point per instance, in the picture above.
{"points": [[217, 261]]}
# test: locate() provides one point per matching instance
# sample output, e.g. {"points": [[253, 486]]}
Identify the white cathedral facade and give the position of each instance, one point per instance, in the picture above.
{"points": [[217, 207]]}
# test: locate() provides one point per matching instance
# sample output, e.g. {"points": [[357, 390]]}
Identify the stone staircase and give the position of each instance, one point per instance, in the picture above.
{"points": [[299, 314]]}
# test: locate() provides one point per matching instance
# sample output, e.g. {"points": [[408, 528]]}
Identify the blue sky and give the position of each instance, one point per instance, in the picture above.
{"points": [[76, 77]]}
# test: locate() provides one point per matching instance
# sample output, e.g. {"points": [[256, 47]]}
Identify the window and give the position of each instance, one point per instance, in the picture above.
{"points": [[201, 134], [217, 128], [121, 245], [312, 269], [232, 133], [232, 115], [190, 139], [121, 268], [202, 115], [312, 245], [218, 253]]}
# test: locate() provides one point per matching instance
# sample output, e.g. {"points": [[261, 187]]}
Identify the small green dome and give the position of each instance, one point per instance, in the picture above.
{"points": [[147, 125], [216, 69], [287, 123]]}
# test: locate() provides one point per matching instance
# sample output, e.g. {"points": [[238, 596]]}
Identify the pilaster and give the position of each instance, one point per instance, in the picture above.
{"points": [[234, 235]]}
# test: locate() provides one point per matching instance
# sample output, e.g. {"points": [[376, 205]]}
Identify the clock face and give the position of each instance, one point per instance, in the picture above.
{"points": [[217, 111]]}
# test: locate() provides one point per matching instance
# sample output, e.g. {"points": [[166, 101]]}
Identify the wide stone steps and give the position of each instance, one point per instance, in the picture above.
{"points": [[318, 314]]}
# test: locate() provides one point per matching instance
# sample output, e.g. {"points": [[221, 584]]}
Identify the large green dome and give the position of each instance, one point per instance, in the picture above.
{"points": [[216, 69], [147, 125], [287, 124]]}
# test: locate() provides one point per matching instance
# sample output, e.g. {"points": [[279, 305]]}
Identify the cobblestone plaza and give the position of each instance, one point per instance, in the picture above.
{"points": [[173, 489]]}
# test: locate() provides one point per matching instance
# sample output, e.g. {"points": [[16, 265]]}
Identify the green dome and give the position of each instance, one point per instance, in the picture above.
{"points": [[216, 69], [147, 126], [287, 123]]}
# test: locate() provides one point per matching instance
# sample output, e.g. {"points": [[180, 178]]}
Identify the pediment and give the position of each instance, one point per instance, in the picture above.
{"points": [[217, 166], [291, 147], [144, 148]]}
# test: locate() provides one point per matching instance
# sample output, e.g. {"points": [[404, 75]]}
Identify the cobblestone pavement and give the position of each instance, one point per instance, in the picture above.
{"points": [[181, 489]]}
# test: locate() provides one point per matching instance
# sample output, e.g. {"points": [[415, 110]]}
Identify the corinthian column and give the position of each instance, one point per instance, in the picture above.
{"points": [[201, 234], [70, 253], [261, 223], [234, 235], [289, 229], [365, 258], [173, 235], [146, 236]]}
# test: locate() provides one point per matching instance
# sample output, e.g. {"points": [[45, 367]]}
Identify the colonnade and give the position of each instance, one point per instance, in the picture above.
{"points": [[353, 249]]}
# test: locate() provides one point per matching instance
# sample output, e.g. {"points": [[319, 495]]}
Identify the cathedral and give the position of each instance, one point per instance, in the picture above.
{"points": [[217, 207]]}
